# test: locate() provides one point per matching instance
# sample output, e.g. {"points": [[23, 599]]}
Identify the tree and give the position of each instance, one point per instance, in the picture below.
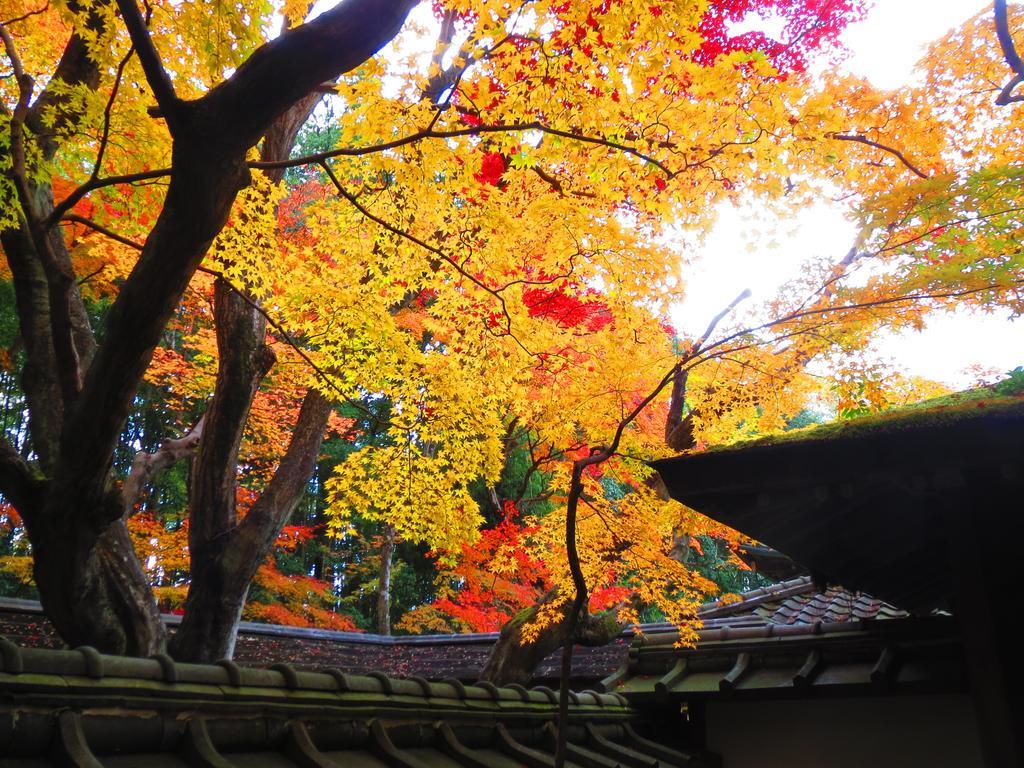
{"points": [[79, 391], [486, 249]]}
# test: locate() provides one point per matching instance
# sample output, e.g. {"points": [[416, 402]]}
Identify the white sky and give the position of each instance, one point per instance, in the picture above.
{"points": [[744, 253]]}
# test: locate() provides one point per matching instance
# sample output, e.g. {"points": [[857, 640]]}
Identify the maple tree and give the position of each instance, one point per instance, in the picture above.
{"points": [[483, 244], [495, 578]]}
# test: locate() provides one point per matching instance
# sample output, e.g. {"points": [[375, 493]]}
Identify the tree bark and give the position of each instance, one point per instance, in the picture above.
{"points": [[387, 554], [514, 660], [211, 136], [224, 564], [146, 467], [89, 577], [94, 590]]}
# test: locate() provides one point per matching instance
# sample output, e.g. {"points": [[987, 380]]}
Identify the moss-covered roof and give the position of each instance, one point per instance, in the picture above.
{"points": [[1003, 398], [80, 707], [876, 504]]}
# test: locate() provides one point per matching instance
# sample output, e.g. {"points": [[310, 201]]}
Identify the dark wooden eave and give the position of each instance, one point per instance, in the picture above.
{"points": [[875, 508], [774, 661]]}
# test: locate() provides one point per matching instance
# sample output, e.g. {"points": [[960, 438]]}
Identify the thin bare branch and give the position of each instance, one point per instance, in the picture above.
{"points": [[743, 296], [905, 299], [26, 15], [157, 77], [417, 241], [76, 219], [1006, 95], [291, 341], [107, 111], [476, 130], [877, 145], [598, 456], [72, 199]]}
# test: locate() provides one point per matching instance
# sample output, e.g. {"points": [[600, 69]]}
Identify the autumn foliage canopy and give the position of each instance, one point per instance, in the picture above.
{"points": [[393, 294]]}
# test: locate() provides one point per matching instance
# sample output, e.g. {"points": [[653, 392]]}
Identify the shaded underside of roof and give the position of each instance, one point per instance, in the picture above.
{"points": [[876, 508], [868, 657], [82, 708]]}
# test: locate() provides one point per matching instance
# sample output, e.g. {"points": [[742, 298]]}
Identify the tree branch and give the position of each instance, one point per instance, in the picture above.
{"points": [[47, 117], [60, 210], [26, 15], [422, 244], [147, 466], [1013, 59], [275, 505], [678, 429], [743, 296], [209, 169], [284, 70], [891, 150], [598, 456], [17, 481], [24, 81], [157, 77], [1006, 95], [475, 130], [107, 110], [244, 361], [76, 219]]}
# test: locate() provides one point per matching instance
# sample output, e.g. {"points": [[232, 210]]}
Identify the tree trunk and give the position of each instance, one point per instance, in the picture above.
{"points": [[95, 592], [223, 561], [224, 564], [221, 573], [89, 577], [513, 659], [387, 553]]}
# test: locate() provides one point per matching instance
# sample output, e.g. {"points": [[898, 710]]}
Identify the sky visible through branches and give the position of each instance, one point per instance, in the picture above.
{"points": [[750, 249]]}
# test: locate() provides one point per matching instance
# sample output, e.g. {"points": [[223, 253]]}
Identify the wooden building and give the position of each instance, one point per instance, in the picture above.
{"points": [[922, 508]]}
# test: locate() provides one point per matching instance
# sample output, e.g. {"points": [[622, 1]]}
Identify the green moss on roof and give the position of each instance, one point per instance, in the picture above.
{"points": [[1002, 398]]}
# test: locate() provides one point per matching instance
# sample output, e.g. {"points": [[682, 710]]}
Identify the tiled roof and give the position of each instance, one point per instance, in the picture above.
{"points": [[787, 660], [79, 707], [430, 656], [463, 656], [800, 601]]}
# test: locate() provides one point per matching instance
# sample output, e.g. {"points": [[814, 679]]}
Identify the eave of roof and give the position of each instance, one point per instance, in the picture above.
{"points": [[873, 507], [71, 707], [796, 661], [463, 656]]}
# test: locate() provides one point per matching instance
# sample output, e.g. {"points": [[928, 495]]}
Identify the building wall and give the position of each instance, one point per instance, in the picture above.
{"points": [[894, 732]]}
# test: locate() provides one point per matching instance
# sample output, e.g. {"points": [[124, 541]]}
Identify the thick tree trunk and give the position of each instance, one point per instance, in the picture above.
{"points": [[387, 554], [95, 592], [88, 575], [220, 570], [221, 573], [223, 560], [223, 565], [513, 659]]}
